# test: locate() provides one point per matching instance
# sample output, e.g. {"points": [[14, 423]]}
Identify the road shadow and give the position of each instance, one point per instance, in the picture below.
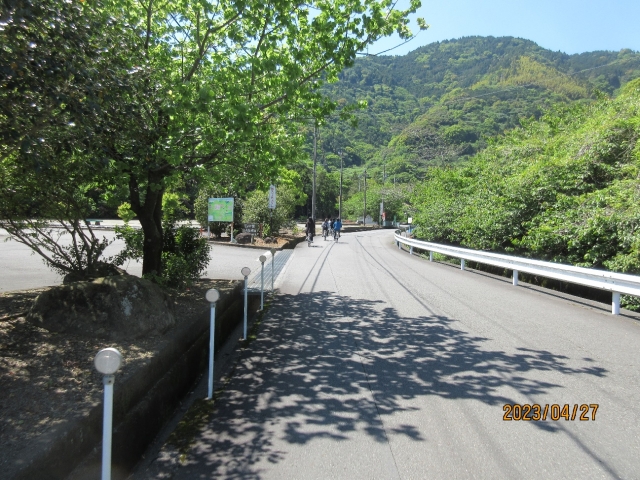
{"points": [[320, 358]]}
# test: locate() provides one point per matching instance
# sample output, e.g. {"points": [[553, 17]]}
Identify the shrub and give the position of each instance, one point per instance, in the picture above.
{"points": [[185, 254]]}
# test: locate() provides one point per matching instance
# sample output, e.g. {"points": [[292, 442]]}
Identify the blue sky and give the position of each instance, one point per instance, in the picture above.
{"points": [[571, 26]]}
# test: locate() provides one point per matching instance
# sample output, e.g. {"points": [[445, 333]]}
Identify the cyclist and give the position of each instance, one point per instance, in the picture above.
{"points": [[325, 227], [337, 226], [310, 229]]}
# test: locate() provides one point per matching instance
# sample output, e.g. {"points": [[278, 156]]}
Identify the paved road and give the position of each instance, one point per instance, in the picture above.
{"points": [[376, 364], [20, 269]]}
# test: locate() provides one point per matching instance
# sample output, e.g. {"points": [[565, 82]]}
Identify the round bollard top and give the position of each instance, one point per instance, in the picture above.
{"points": [[212, 295], [245, 271], [108, 361], [263, 258], [273, 252]]}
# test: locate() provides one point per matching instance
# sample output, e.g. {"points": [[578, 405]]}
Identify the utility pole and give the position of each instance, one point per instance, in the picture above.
{"points": [[340, 204], [315, 155], [384, 176], [364, 216]]}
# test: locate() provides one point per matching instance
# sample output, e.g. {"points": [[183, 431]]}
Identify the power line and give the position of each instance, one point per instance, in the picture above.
{"points": [[389, 49]]}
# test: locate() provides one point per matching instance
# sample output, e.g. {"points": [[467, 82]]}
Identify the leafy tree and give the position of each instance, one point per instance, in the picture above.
{"points": [[204, 89], [60, 91], [222, 81], [396, 200]]}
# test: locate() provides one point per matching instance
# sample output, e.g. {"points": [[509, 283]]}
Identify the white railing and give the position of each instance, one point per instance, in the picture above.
{"points": [[616, 283]]}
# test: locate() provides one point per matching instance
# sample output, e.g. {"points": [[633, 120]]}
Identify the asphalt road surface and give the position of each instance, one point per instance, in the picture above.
{"points": [[20, 269], [375, 364]]}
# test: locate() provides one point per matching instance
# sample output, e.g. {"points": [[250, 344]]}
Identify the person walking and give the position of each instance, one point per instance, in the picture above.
{"points": [[310, 229]]}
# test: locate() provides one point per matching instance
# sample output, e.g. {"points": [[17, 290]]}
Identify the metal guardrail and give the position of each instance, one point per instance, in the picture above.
{"points": [[616, 283]]}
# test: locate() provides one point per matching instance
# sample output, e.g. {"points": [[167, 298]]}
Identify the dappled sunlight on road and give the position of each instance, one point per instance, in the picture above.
{"points": [[329, 367]]}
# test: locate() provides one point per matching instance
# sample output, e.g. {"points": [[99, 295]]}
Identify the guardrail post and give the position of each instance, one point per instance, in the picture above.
{"points": [[431, 256], [515, 277], [462, 264], [411, 250], [615, 303]]}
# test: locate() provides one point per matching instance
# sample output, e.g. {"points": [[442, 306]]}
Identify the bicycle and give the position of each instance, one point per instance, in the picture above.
{"points": [[336, 235], [325, 232]]}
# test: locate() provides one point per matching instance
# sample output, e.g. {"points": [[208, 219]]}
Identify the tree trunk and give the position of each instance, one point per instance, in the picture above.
{"points": [[152, 246], [150, 216]]}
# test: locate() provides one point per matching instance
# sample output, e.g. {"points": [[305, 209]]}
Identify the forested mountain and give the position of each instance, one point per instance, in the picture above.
{"points": [[442, 101]]}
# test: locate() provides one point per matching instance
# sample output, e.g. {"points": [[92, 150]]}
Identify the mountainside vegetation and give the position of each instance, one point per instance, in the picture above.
{"points": [[440, 103], [563, 188]]}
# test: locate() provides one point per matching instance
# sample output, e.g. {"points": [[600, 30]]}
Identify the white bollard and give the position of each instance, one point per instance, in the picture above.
{"points": [[462, 264], [245, 272], [107, 426], [107, 362], [515, 277], [212, 297], [273, 258], [615, 303], [262, 260], [411, 250], [431, 256]]}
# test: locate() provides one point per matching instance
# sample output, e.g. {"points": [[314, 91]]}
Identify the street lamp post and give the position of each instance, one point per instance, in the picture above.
{"points": [[212, 297], [107, 362]]}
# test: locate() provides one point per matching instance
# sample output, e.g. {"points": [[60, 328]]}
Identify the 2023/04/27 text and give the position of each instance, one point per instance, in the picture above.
{"points": [[537, 412]]}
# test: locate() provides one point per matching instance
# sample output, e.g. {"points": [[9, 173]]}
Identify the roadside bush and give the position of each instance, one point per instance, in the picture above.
{"points": [[256, 209], [185, 253]]}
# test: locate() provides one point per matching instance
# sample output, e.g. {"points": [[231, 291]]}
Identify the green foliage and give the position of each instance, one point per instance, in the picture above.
{"points": [[173, 208], [564, 189], [125, 212], [185, 256], [396, 200], [133, 239], [185, 253], [256, 208]]}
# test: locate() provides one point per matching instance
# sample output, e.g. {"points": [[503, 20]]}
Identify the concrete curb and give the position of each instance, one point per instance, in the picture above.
{"points": [[290, 244], [142, 403]]}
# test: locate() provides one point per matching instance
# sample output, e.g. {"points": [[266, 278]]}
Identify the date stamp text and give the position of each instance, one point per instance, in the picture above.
{"points": [[536, 412]]}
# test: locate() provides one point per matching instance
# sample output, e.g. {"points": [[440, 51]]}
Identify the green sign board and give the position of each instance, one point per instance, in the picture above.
{"points": [[221, 209]]}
